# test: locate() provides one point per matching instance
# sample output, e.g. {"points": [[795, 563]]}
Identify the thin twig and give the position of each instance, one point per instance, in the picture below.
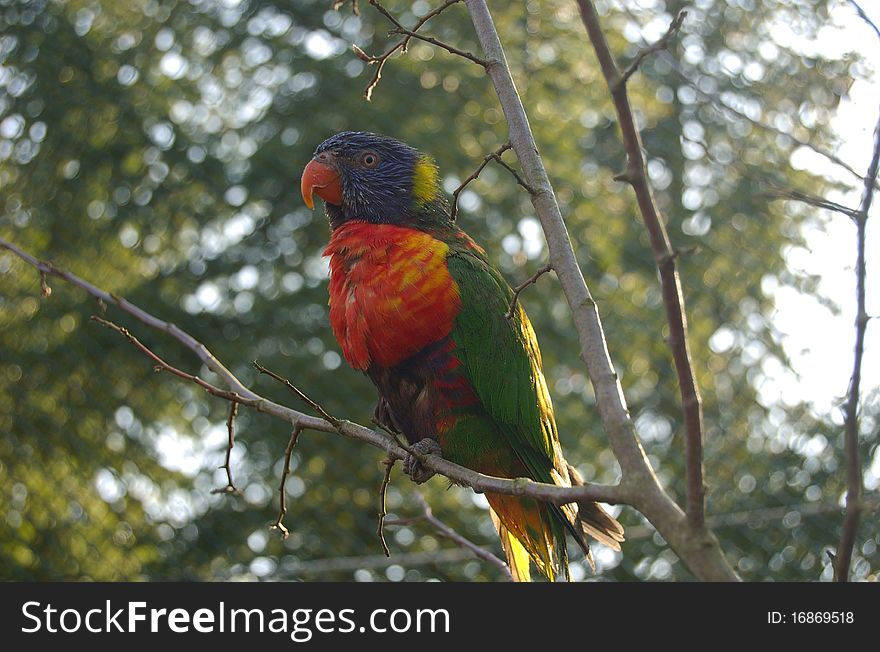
{"points": [[45, 290], [522, 286], [812, 200], [716, 100], [282, 495], [355, 9], [383, 512], [230, 487], [528, 188], [441, 44], [382, 10], [428, 516], [138, 313], [864, 17], [380, 64], [852, 515], [777, 190], [401, 46], [661, 44], [673, 298], [314, 405], [161, 365], [476, 173], [394, 435]]}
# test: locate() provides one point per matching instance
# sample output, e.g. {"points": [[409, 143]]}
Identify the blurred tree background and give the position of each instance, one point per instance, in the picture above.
{"points": [[154, 148]]}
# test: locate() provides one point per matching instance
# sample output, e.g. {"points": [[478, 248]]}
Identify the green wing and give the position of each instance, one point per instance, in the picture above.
{"points": [[503, 363]]}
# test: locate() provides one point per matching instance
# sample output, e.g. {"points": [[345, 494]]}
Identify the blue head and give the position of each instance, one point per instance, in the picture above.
{"points": [[372, 178]]}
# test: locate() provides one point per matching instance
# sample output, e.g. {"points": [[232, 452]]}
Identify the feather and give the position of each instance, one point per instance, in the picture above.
{"points": [[517, 557]]}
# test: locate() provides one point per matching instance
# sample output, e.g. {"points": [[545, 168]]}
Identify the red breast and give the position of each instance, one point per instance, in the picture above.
{"points": [[391, 294]]}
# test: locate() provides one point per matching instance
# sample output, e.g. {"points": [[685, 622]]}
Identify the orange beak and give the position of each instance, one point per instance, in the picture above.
{"points": [[323, 181]]}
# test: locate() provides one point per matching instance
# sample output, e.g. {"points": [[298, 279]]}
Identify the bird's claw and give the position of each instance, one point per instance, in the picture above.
{"points": [[413, 467]]}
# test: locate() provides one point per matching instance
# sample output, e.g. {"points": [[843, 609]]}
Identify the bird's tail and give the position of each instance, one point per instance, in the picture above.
{"points": [[532, 530], [517, 555], [528, 530], [594, 522]]}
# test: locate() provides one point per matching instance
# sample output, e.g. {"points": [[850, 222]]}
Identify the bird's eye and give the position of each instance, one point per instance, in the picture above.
{"points": [[370, 159]]}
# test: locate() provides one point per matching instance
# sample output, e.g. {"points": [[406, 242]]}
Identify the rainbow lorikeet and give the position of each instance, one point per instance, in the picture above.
{"points": [[416, 305]]}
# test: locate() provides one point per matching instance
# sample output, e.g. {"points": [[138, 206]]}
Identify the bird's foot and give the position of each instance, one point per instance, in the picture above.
{"points": [[413, 467]]}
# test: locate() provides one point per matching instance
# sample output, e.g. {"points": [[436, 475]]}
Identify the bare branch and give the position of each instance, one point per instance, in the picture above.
{"points": [[522, 286], [401, 46], [161, 365], [494, 156], [864, 17], [394, 435], [45, 290], [141, 315], [661, 44], [697, 547], [230, 487], [476, 173], [717, 101], [428, 516], [315, 406], [851, 409], [452, 535], [282, 495], [528, 187], [812, 200], [777, 189], [673, 299], [355, 9], [383, 512], [440, 44], [380, 61]]}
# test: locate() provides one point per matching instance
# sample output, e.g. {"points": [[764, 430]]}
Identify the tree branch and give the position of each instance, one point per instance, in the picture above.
{"points": [[661, 44], [864, 17], [812, 200], [473, 175], [402, 45], [664, 254], [851, 409], [230, 487], [613, 494], [383, 512], [282, 495], [494, 156], [161, 365], [428, 516], [141, 315], [336, 423], [355, 8], [697, 547], [777, 190], [522, 286], [440, 44]]}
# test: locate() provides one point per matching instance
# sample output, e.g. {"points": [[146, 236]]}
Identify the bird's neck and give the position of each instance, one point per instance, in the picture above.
{"points": [[430, 217]]}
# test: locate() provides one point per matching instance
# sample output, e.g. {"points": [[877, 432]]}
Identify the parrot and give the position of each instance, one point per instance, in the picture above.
{"points": [[416, 305]]}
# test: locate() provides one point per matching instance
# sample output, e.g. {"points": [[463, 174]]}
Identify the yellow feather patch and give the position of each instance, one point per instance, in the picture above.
{"points": [[426, 180]]}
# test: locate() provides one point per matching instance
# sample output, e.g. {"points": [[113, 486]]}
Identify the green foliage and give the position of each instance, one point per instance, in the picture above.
{"points": [[154, 148]]}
